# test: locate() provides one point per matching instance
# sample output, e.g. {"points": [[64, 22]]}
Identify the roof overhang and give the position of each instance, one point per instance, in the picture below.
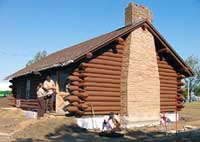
{"points": [[144, 24]]}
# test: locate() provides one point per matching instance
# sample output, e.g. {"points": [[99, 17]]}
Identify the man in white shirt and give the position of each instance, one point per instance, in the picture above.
{"points": [[50, 88]]}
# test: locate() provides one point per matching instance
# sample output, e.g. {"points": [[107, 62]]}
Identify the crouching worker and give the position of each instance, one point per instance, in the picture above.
{"points": [[50, 89], [111, 123], [40, 96]]}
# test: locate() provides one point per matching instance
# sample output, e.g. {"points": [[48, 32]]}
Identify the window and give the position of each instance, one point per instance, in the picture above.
{"points": [[28, 87], [63, 81]]}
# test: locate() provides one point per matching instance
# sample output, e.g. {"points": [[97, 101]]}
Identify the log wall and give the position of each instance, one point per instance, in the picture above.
{"points": [[171, 98], [96, 82]]}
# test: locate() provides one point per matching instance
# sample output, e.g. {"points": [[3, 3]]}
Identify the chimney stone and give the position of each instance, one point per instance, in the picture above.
{"points": [[134, 12]]}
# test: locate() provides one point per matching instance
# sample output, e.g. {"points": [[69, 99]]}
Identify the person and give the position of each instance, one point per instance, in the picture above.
{"points": [[50, 89], [110, 123], [40, 96]]}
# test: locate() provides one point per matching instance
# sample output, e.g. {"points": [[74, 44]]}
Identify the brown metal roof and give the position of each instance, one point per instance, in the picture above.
{"points": [[73, 53]]}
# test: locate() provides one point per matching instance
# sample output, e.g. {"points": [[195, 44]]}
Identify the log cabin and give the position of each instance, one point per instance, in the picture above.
{"points": [[132, 71]]}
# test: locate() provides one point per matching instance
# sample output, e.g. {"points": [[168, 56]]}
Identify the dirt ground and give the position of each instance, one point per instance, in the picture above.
{"points": [[4, 102], [15, 127]]}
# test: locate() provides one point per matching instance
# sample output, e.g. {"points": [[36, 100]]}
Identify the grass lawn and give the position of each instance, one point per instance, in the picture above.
{"points": [[191, 113]]}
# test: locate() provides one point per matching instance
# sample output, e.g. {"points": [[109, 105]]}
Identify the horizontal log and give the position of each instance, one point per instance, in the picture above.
{"points": [[72, 109], [73, 88], [167, 74], [72, 98], [120, 56], [120, 39], [180, 76], [102, 71], [103, 93], [167, 70], [75, 83], [162, 96], [180, 95], [75, 104], [102, 112], [101, 66], [168, 92], [102, 89], [100, 80], [75, 73], [180, 106], [106, 85], [163, 50], [168, 81], [163, 62], [100, 75], [82, 95], [165, 66], [105, 62], [168, 78], [167, 100], [104, 103], [180, 83], [168, 103], [180, 99], [168, 88], [115, 50], [168, 107], [168, 110], [82, 106], [119, 46], [101, 108], [180, 102], [168, 85], [99, 98], [74, 78], [112, 54], [180, 91]]}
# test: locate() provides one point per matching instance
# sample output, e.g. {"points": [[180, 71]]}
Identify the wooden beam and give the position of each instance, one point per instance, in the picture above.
{"points": [[100, 80], [164, 50], [101, 66]]}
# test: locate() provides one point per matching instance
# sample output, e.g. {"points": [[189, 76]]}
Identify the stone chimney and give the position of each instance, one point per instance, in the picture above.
{"points": [[134, 12], [140, 83]]}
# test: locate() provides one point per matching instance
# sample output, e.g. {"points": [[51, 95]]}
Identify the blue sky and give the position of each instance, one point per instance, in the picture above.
{"points": [[28, 26]]}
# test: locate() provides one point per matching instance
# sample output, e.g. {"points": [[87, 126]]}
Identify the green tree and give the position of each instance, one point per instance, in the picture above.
{"points": [[38, 56], [193, 82]]}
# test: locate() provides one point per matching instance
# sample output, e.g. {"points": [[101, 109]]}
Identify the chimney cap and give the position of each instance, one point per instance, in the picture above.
{"points": [[134, 12]]}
